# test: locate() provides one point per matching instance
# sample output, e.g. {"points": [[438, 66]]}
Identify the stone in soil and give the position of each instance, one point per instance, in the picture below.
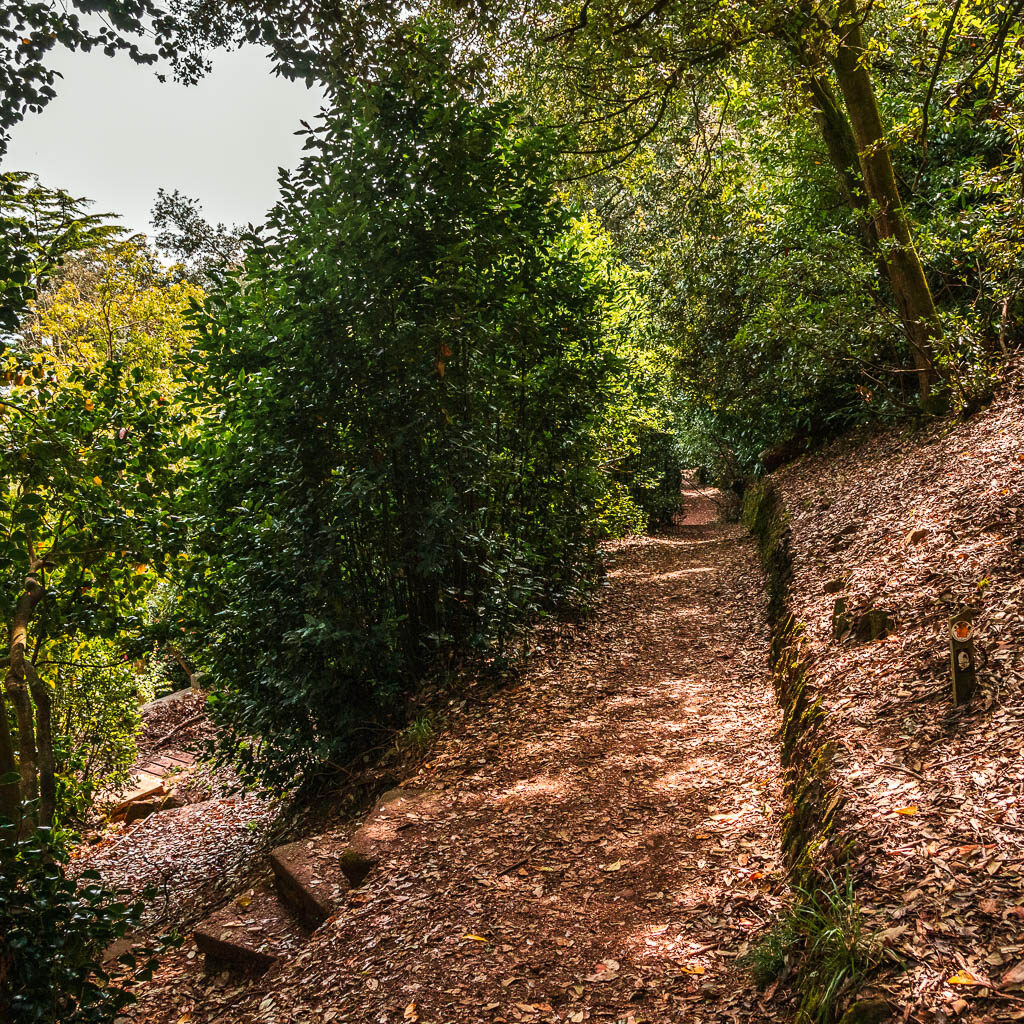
{"points": [[395, 811]]}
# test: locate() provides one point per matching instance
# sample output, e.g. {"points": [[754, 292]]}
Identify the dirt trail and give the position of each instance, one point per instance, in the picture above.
{"points": [[608, 830], [610, 824]]}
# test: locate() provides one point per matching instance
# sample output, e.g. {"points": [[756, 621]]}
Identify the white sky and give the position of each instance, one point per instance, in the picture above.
{"points": [[115, 134]]}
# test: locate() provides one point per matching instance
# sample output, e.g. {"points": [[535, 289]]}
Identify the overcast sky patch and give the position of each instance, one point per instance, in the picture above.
{"points": [[115, 135]]}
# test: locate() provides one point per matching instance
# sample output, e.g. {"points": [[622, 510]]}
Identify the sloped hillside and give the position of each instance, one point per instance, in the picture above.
{"points": [[919, 523]]}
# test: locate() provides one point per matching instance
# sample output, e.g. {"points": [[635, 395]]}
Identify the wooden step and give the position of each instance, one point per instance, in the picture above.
{"points": [[252, 933], [309, 879]]}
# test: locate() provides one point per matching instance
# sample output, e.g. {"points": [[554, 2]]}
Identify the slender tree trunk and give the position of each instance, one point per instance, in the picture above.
{"points": [[15, 683], [44, 744], [843, 155], [10, 793], [186, 666], [17, 693], [906, 275], [1004, 320]]}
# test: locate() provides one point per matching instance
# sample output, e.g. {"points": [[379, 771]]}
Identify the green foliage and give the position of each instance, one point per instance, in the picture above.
{"points": [[408, 382], [114, 302], [183, 232], [638, 433], [89, 459], [419, 733], [716, 143], [769, 957], [770, 310], [39, 228], [53, 930], [835, 953], [822, 933], [89, 462], [95, 718]]}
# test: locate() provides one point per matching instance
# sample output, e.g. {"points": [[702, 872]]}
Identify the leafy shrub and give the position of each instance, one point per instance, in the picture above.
{"points": [[409, 382], [53, 931], [655, 477], [617, 513]]}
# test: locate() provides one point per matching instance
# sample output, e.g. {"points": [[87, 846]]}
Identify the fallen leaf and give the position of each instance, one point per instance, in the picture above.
{"points": [[912, 809], [606, 970], [411, 1012], [965, 976], [890, 935], [1014, 976]]}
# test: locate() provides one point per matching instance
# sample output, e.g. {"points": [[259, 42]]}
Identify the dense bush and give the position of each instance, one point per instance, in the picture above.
{"points": [[409, 379], [54, 930]]}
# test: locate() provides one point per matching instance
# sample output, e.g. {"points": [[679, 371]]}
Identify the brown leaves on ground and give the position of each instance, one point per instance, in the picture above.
{"points": [[604, 842], [921, 523], [194, 854]]}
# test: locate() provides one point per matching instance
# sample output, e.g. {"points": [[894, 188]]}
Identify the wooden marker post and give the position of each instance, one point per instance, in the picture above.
{"points": [[962, 658]]}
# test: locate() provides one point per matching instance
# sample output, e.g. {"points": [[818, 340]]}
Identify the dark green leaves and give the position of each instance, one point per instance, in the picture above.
{"points": [[39, 227], [401, 467]]}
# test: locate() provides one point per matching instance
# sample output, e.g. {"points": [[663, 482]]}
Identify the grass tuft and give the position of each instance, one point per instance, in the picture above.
{"points": [[823, 936], [419, 733]]}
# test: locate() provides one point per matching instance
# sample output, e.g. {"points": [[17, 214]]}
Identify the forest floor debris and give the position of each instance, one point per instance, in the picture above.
{"points": [[921, 522], [194, 853], [605, 842]]}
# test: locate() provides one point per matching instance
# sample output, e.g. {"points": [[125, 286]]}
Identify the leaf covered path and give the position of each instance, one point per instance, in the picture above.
{"points": [[605, 836]]}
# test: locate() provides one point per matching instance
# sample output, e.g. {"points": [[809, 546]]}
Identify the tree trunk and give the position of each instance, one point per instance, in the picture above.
{"points": [[10, 793], [186, 666], [17, 693], [843, 155], [903, 266], [15, 683], [44, 742]]}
